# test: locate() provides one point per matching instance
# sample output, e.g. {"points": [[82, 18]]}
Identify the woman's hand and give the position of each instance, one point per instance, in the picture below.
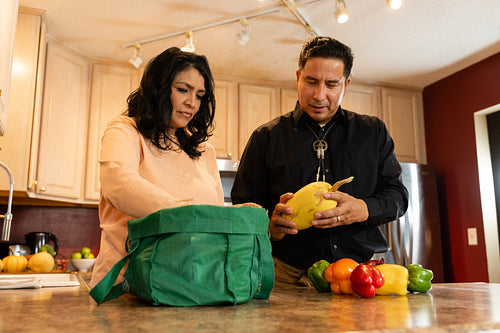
{"points": [[251, 204]]}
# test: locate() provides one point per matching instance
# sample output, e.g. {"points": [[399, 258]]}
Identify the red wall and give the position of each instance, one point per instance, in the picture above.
{"points": [[449, 107]]}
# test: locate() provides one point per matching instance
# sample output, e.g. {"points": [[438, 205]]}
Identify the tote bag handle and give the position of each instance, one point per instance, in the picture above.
{"points": [[104, 290]]}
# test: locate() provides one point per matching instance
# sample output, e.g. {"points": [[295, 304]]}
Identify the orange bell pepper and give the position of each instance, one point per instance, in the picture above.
{"points": [[339, 273]]}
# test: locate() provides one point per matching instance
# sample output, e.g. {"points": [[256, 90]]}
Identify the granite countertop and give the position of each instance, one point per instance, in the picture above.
{"points": [[447, 307]]}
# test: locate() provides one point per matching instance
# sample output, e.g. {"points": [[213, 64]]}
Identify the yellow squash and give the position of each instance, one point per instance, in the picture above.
{"points": [[14, 264], [309, 200]]}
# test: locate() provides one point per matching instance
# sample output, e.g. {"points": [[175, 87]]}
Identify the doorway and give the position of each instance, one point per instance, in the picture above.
{"points": [[489, 198], [493, 122]]}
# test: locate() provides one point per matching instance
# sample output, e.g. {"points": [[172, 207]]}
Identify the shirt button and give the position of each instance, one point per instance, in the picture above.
{"points": [[327, 170], [335, 246]]}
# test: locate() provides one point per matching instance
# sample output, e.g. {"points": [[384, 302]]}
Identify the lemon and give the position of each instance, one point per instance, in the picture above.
{"points": [[307, 201], [41, 262]]}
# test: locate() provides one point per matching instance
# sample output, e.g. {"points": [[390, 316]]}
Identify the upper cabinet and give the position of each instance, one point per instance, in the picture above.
{"points": [[404, 117], [61, 101], [288, 100], [112, 83], [257, 105], [8, 19], [25, 99], [225, 135], [60, 168], [363, 99]]}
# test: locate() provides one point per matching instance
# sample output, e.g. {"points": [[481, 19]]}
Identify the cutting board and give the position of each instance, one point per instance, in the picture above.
{"points": [[38, 280]]}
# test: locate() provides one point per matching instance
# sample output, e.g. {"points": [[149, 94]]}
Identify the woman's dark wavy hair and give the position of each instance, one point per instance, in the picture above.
{"points": [[151, 107]]}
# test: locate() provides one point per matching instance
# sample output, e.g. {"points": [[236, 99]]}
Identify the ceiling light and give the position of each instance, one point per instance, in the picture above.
{"points": [[189, 47], [243, 36], [341, 11], [136, 60], [394, 4]]}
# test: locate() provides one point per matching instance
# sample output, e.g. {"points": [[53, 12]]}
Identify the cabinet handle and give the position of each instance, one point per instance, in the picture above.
{"points": [[229, 154], [34, 188]]}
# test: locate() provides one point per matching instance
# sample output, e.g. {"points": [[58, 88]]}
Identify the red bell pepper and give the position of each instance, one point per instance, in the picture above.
{"points": [[365, 279]]}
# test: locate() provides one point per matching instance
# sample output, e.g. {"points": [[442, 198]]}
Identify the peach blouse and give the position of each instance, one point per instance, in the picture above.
{"points": [[138, 179]]}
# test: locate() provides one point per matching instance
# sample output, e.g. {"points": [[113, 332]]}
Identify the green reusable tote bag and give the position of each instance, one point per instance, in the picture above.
{"points": [[194, 255]]}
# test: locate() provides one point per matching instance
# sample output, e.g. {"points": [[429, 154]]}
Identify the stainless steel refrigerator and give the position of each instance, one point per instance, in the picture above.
{"points": [[415, 238]]}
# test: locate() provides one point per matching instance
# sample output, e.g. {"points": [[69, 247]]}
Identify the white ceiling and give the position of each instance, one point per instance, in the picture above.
{"points": [[417, 45]]}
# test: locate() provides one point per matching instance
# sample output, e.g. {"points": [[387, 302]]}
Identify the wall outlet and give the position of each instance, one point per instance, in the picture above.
{"points": [[472, 236]]}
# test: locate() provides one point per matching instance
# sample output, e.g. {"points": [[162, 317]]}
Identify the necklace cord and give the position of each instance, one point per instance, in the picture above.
{"points": [[320, 146]]}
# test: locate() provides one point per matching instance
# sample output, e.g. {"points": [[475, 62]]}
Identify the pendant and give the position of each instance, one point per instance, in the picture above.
{"points": [[320, 146]]}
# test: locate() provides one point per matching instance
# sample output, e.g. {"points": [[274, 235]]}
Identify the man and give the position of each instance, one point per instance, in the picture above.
{"points": [[320, 141]]}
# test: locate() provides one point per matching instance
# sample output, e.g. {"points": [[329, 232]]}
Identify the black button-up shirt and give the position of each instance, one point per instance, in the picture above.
{"points": [[279, 158]]}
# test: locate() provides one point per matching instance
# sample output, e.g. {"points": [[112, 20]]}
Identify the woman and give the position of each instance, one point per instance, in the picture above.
{"points": [[156, 155]]}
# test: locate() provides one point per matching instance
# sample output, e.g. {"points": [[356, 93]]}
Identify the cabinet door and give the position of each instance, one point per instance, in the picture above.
{"points": [[8, 18], [63, 130], [225, 135], [403, 115], [257, 106], [15, 145], [363, 99], [112, 83], [288, 100]]}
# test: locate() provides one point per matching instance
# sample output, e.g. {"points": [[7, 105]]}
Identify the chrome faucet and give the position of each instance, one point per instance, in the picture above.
{"points": [[8, 215]]}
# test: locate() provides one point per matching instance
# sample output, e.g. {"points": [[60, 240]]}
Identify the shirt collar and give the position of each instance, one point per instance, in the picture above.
{"points": [[299, 116]]}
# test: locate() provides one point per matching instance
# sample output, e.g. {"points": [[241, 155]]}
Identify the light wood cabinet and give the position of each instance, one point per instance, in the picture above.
{"points": [[62, 104], [363, 99], [8, 21], [112, 83], [62, 143], [403, 115], [225, 135], [24, 104], [257, 105], [288, 100]]}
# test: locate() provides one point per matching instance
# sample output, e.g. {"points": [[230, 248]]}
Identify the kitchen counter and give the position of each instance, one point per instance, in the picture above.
{"points": [[447, 307]]}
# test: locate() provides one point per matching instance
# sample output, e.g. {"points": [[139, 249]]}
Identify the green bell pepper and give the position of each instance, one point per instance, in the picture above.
{"points": [[316, 274], [419, 278]]}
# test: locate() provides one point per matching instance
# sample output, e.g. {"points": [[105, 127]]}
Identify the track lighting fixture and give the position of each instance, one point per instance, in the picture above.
{"points": [[189, 47], [341, 11], [136, 60], [243, 36], [394, 4], [294, 6]]}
